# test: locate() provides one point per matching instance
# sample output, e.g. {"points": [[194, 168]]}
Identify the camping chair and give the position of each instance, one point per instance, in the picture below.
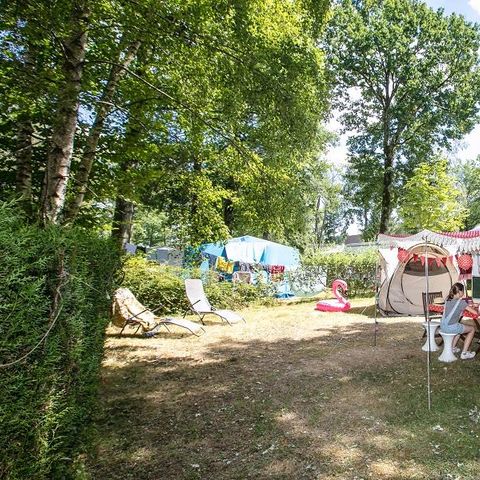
{"points": [[201, 306], [128, 311], [431, 299]]}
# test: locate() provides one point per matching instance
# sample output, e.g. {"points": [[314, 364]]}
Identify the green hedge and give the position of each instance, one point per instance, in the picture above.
{"points": [[356, 268], [47, 399], [155, 285]]}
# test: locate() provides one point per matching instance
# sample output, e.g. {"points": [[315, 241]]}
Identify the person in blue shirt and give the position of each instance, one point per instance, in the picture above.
{"points": [[455, 305]]}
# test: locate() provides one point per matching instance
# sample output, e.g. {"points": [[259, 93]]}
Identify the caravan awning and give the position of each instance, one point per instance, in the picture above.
{"points": [[464, 242]]}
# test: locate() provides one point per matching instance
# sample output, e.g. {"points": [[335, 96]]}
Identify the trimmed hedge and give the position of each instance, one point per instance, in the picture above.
{"points": [[156, 285], [356, 268], [47, 399]]}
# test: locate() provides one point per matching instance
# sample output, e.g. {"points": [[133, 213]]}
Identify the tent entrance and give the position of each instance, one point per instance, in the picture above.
{"points": [[402, 292]]}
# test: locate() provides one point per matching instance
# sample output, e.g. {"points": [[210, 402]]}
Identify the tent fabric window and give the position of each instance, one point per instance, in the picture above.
{"points": [[418, 268]]}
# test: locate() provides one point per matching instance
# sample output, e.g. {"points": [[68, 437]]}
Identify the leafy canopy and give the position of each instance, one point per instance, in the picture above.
{"points": [[406, 79], [432, 200]]}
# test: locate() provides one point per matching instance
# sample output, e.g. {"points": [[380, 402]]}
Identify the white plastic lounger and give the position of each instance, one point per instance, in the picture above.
{"points": [[201, 306], [127, 310]]}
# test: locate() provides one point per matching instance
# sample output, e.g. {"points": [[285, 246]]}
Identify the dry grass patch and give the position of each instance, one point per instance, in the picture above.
{"points": [[292, 394]]}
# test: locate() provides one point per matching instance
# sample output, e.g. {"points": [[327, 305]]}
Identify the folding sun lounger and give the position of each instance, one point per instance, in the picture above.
{"points": [[201, 306], [127, 310]]}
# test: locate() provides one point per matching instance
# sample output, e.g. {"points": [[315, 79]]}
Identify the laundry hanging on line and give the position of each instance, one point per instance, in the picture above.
{"points": [[224, 265]]}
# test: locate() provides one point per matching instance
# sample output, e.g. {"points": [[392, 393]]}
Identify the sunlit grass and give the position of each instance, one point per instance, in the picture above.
{"points": [[291, 394]]}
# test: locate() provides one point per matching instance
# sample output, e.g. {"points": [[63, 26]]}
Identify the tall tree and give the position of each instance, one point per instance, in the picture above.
{"points": [[74, 46], [226, 98], [105, 105], [242, 101], [417, 75]]}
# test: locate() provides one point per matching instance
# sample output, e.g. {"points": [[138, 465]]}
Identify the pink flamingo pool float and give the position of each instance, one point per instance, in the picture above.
{"points": [[338, 305]]}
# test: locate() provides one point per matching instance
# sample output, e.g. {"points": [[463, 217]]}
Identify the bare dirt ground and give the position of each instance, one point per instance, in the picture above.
{"points": [[291, 394]]}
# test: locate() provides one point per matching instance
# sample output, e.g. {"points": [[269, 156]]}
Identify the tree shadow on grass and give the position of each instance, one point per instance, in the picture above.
{"points": [[327, 407]]}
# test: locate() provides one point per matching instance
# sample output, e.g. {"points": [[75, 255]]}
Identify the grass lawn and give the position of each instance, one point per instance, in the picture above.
{"points": [[292, 394]]}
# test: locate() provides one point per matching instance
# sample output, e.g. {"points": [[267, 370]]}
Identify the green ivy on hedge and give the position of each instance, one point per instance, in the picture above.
{"points": [[47, 399], [357, 268], [156, 285]]}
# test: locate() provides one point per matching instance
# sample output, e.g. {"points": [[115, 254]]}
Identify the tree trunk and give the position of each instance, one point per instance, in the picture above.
{"points": [[60, 155], [104, 108], [23, 182], [317, 230], [122, 221], [387, 192], [322, 227], [388, 153], [25, 131]]}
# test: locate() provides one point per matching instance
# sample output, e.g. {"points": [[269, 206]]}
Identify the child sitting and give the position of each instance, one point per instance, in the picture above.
{"points": [[455, 305]]}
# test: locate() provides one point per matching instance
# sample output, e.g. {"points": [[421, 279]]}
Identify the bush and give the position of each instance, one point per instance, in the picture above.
{"points": [[156, 285], [238, 295], [48, 398], [356, 268]]}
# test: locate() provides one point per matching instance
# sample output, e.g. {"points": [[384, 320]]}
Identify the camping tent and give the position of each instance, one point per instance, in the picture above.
{"points": [[252, 250], [403, 272], [465, 246]]}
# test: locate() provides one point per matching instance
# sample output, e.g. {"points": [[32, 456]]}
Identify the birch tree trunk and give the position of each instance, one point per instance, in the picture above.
{"points": [[60, 155], [105, 105]]}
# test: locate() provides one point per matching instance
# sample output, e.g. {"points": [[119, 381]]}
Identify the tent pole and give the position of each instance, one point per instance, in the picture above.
{"points": [[427, 314], [377, 271]]}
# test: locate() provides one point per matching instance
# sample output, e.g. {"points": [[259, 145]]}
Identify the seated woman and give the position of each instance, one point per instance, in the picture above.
{"points": [[455, 305]]}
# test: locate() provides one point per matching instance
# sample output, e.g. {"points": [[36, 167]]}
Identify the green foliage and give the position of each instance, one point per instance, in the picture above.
{"points": [[239, 295], [333, 217], [216, 123], [469, 179], [363, 187], [49, 398], [259, 76], [150, 229], [155, 285], [160, 285], [406, 79], [356, 268], [432, 200]]}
